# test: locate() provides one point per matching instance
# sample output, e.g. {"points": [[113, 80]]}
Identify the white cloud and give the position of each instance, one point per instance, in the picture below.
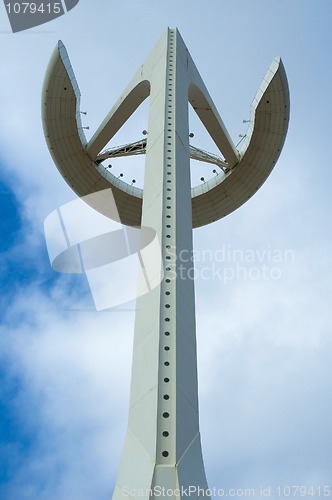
{"points": [[74, 369]]}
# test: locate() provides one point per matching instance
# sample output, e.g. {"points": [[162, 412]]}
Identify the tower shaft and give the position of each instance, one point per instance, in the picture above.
{"points": [[162, 447]]}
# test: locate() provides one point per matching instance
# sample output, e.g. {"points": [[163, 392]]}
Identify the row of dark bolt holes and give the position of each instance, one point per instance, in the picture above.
{"points": [[167, 348]]}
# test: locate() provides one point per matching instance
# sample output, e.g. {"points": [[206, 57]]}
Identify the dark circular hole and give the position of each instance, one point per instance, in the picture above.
{"points": [[167, 348], [167, 319], [167, 306], [165, 414], [165, 434], [167, 334], [165, 453], [166, 363], [166, 396], [166, 380]]}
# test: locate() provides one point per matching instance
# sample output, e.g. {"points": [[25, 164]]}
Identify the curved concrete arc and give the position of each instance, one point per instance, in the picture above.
{"points": [[221, 195], [66, 141]]}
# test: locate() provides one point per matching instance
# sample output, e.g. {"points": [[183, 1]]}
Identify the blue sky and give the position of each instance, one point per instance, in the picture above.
{"points": [[265, 344]]}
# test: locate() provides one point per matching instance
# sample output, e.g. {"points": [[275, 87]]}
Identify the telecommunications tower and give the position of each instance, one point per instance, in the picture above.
{"points": [[163, 446]]}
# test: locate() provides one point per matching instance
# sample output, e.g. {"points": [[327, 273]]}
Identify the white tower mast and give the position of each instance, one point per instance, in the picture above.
{"points": [[163, 431], [163, 446]]}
